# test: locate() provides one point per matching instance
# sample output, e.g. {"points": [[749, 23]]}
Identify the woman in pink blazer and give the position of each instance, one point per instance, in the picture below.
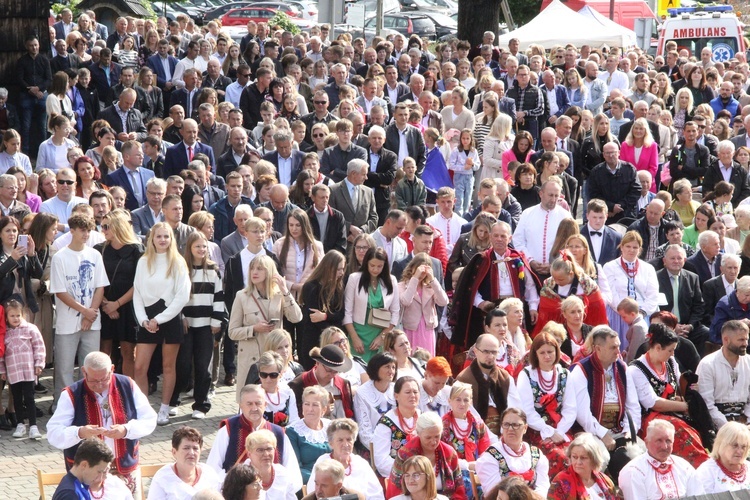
{"points": [[640, 149], [419, 293]]}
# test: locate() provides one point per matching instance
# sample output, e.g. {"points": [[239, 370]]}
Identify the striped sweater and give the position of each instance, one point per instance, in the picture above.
{"points": [[206, 304]]}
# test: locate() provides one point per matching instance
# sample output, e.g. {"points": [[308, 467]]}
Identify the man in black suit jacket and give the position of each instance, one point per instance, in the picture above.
{"points": [[127, 80], [650, 223], [335, 224], [187, 94], [335, 159], [213, 79], [737, 177], [706, 263], [690, 307], [716, 288], [383, 166], [135, 130], [604, 242], [414, 140], [292, 159]]}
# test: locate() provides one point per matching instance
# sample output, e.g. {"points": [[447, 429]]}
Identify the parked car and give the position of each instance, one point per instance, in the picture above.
{"points": [[444, 25], [407, 24], [241, 16], [291, 9], [446, 7], [371, 7], [309, 9], [223, 9]]}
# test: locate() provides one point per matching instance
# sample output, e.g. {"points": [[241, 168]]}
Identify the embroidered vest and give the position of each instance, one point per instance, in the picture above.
{"points": [[237, 435], [126, 462], [659, 386], [503, 465]]}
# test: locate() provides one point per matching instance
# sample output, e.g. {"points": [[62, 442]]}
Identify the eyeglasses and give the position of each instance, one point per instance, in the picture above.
{"points": [[320, 102], [360, 248], [488, 352], [414, 475], [264, 450], [70, 183], [105, 227], [272, 375], [701, 127], [318, 135], [341, 342], [514, 426]]}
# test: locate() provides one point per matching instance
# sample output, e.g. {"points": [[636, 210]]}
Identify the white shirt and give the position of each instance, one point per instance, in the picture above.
{"points": [[506, 288], [638, 480], [369, 405], [285, 170], [283, 487], [246, 256], [552, 98], [646, 285], [62, 434], [489, 475], [62, 209], [451, 228], [536, 231], [568, 410], [718, 382], [167, 485], [596, 242], [646, 395], [713, 479], [578, 382], [382, 442], [616, 80], [95, 237], [234, 92], [728, 287]]}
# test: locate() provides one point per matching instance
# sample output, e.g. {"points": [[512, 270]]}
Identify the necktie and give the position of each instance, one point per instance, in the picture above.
{"points": [[355, 198], [190, 153], [675, 295], [136, 187], [595, 233]]}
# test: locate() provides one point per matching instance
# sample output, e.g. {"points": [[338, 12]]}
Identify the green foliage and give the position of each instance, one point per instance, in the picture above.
{"points": [[524, 11], [149, 8], [282, 21], [72, 4]]}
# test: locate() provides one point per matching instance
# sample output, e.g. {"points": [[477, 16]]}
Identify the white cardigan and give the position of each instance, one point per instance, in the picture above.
{"points": [[355, 301], [646, 285]]}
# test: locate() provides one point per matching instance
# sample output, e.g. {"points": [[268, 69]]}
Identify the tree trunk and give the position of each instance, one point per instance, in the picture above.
{"points": [[475, 17], [19, 19]]}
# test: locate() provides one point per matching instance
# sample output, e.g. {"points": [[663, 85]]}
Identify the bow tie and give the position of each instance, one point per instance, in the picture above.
{"points": [[595, 233]]}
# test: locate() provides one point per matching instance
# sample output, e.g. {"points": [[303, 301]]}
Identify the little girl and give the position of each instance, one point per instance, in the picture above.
{"points": [[22, 363], [464, 161]]}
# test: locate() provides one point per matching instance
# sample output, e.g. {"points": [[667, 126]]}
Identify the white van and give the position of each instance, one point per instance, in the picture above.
{"points": [[694, 28]]}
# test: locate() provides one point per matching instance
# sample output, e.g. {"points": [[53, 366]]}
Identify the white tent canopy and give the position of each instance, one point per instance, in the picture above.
{"points": [[560, 25], [609, 24]]}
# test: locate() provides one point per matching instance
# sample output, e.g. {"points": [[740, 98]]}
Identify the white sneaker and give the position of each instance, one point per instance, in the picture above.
{"points": [[162, 418], [172, 411], [198, 415], [20, 431], [189, 394], [34, 433], [211, 393]]}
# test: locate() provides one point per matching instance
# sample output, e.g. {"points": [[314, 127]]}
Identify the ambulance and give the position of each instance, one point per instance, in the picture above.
{"points": [[694, 28]]}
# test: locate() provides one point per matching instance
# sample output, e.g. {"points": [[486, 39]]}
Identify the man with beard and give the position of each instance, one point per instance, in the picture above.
{"points": [[229, 447], [724, 376], [493, 388]]}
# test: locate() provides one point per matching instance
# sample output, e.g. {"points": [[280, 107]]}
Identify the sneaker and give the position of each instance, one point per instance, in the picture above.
{"points": [[189, 394], [198, 415], [162, 418], [34, 433], [172, 411], [211, 393], [40, 389], [20, 431]]}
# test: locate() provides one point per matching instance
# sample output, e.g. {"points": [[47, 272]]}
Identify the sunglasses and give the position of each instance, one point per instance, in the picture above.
{"points": [[319, 135], [105, 227], [66, 182], [320, 102], [272, 375]]}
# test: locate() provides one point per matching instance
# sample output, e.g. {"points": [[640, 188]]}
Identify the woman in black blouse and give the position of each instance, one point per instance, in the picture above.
{"points": [[120, 253], [322, 303], [526, 191]]}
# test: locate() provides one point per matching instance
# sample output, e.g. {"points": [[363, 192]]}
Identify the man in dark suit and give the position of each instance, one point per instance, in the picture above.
{"points": [[152, 157], [121, 31], [335, 160], [651, 228], [355, 200], [383, 165], [132, 177], [369, 57], [742, 139], [134, 129], [232, 158], [327, 223], [288, 162], [706, 263], [422, 238], [160, 63], [65, 25], [682, 290], [99, 76], [213, 79], [182, 153], [149, 214], [319, 114], [737, 175], [549, 140], [393, 88], [416, 87], [415, 147], [61, 61], [339, 74], [211, 194], [616, 183], [716, 288], [224, 210], [571, 60], [127, 81], [604, 242], [187, 97], [553, 110]]}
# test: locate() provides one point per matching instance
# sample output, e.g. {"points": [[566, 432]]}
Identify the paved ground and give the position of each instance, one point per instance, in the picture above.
{"points": [[20, 458]]}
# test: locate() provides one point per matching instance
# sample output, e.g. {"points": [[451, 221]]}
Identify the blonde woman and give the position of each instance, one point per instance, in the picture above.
{"points": [[457, 115], [641, 150], [683, 203], [498, 141], [257, 310], [157, 309], [280, 342], [419, 293], [683, 109], [276, 480], [309, 434]]}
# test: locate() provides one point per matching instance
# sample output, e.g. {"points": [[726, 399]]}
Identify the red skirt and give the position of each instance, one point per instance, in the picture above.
{"points": [[555, 453], [687, 441]]}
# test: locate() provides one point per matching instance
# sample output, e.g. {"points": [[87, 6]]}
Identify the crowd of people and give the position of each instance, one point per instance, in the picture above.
{"points": [[378, 245]]}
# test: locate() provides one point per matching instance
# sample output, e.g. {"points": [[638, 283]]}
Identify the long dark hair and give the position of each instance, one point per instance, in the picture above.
{"points": [[307, 235], [522, 134], [187, 201], [39, 227], [330, 294], [385, 274]]}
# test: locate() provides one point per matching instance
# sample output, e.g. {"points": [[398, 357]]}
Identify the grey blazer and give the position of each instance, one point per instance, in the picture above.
{"points": [[143, 221], [231, 245], [366, 216]]}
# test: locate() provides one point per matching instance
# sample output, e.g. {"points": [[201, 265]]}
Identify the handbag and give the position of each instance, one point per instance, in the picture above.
{"points": [[379, 317]]}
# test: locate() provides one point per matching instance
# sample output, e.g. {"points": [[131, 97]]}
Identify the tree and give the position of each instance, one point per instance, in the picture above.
{"points": [[477, 16]]}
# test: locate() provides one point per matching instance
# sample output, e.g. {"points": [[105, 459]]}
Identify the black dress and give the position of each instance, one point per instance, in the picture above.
{"points": [[309, 332], [120, 266]]}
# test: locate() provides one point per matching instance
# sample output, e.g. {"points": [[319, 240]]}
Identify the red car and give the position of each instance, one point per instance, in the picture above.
{"points": [[241, 16]]}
